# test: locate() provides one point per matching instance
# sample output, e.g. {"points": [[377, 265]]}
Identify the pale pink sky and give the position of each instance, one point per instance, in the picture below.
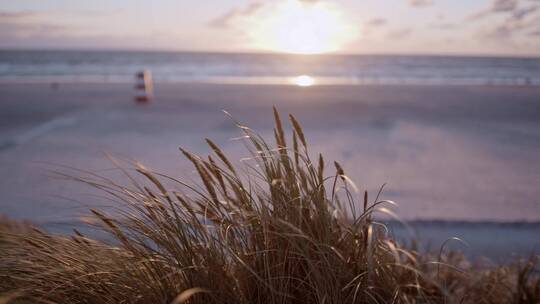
{"points": [[496, 27]]}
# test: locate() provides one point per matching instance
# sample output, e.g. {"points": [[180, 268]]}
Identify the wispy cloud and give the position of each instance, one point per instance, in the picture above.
{"points": [[11, 16], [372, 27], [495, 7], [534, 33], [420, 3], [524, 12], [377, 22], [55, 28], [400, 33], [444, 26], [518, 20], [29, 23], [224, 20], [504, 5]]}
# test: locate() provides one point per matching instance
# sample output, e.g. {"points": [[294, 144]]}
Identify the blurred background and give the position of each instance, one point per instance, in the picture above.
{"points": [[437, 99]]}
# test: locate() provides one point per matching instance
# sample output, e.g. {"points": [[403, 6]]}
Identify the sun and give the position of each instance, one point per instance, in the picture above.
{"points": [[302, 27]]}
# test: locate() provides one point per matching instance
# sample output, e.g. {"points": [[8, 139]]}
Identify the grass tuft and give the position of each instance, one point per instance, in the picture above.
{"points": [[277, 230]]}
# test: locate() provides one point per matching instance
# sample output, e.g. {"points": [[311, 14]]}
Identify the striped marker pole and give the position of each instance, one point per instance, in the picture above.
{"points": [[143, 87]]}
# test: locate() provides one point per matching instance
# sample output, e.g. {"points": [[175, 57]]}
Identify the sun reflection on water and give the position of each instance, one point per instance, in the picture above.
{"points": [[303, 81]]}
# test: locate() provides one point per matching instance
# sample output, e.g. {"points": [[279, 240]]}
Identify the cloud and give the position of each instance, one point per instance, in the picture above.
{"points": [[373, 26], [420, 3], [33, 15], [503, 5], [376, 22], [10, 15], [51, 28], [519, 20], [400, 33], [441, 23], [444, 26], [17, 24], [524, 12], [20, 31], [496, 6], [224, 20]]}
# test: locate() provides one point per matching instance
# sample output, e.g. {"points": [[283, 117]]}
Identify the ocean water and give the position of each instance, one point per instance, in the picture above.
{"points": [[121, 66]]}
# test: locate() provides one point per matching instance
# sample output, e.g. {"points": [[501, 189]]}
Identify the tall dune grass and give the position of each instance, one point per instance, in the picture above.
{"points": [[277, 229]]}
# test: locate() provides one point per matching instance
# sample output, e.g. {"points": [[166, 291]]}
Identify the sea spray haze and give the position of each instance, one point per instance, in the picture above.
{"points": [[278, 229]]}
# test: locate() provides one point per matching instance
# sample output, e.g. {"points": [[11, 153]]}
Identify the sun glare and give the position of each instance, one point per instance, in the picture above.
{"points": [[303, 81], [300, 27]]}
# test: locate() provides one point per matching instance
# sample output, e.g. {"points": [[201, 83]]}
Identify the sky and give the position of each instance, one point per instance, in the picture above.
{"points": [[474, 27]]}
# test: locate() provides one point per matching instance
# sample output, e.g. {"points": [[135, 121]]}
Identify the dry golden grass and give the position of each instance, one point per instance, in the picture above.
{"points": [[278, 230]]}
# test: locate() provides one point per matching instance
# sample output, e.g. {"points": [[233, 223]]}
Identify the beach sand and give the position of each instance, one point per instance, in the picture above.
{"points": [[445, 152]]}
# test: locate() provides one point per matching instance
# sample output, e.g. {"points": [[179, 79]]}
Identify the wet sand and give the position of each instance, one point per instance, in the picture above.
{"points": [[445, 152]]}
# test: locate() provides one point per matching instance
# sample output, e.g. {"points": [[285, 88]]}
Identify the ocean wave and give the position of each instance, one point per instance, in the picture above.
{"points": [[274, 69]]}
